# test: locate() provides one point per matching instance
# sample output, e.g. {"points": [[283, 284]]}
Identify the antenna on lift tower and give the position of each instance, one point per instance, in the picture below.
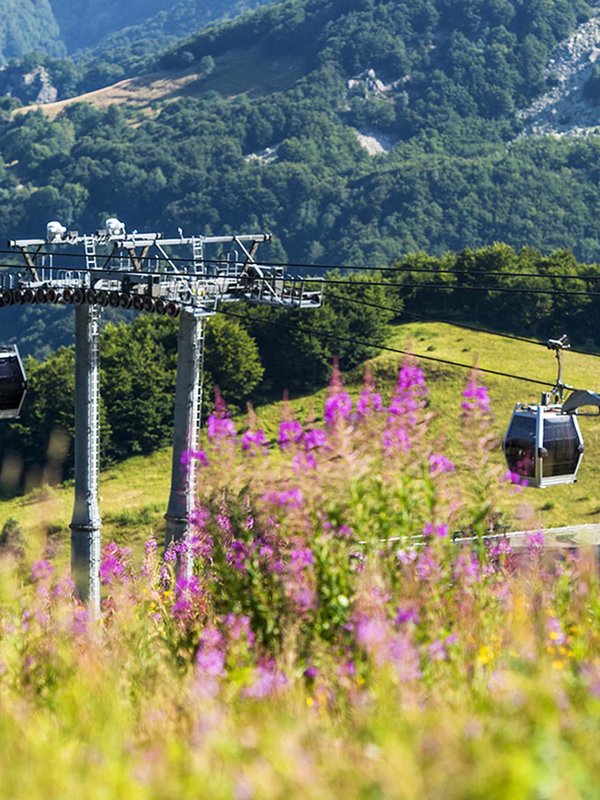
{"points": [[138, 271]]}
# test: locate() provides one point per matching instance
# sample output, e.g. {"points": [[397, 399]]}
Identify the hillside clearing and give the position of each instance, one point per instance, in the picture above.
{"points": [[240, 71]]}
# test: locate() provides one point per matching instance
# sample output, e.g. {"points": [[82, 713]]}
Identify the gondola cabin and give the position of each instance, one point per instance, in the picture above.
{"points": [[543, 445], [13, 384]]}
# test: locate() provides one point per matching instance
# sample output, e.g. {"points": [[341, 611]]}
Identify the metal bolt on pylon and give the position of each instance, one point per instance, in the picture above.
{"points": [[146, 272]]}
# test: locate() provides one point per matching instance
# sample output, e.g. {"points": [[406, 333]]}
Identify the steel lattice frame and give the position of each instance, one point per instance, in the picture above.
{"points": [[140, 271]]}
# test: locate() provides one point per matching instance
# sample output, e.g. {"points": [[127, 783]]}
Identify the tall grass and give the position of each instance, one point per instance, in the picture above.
{"points": [[319, 635]]}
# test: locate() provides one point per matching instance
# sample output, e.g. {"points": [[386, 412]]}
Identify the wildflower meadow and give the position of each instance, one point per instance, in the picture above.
{"points": [[320, 634]]}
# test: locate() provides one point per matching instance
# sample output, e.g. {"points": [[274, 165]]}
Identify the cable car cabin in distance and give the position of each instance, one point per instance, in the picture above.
{"points": [[13, 384], [543, 445]]}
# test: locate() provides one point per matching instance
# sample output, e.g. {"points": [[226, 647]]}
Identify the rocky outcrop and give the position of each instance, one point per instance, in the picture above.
{"points": [[39, 81], [565, 110]]}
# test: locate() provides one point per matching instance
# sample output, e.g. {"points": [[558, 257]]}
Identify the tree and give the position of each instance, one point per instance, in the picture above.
{"points": [[232, 361]]}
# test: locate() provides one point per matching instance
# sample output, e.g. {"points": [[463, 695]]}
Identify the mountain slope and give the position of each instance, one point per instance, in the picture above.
{"points": [[118, 31], [272, 134], [27, 25], [135, 40], [84, 22]]}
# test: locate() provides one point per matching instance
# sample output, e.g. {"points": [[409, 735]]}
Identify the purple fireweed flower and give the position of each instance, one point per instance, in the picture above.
{"points": [[200, 544], [368, 403], [188, 595], [302, 596], [188, 456], [315, 439], [220, 427], [80, 621], [411, 376], [268, 682], [151, 547], [338, 407], [466, 568], [64, 588], [371, 632], [590, 672], [475, 399], [150, 561], [290, 432], [410, 392], [409, 398], [514, 479], [437, 651], [311, 673], [254, 441], [407, 557], [210, 660], [300, 558], [40, 570], [170, 555], [289, 498], [535, 541], [345, 531], [406, 613], [439, 464], [115, 564], [199, 517], [556, 633], [237, 555], [405, 657], [499, 548], [439, 531], [238, 628], [303, 462], [224, 523], [396, 438], [427, 566]]}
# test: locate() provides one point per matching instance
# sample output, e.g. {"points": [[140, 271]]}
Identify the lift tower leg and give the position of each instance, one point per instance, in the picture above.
{"points": [[188, 402], [85, 524]]}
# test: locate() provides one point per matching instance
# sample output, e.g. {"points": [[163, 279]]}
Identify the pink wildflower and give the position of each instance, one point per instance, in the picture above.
{"points": [[254, 441], [439, 464], [475, 399], [290, 432], [440, 531]]}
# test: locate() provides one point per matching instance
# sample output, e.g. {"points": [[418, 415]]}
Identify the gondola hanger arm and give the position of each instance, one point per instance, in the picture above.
{"points": [[580, 399]]}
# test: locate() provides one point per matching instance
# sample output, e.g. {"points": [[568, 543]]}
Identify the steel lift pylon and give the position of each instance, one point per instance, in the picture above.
{"points": [[151, 274]]}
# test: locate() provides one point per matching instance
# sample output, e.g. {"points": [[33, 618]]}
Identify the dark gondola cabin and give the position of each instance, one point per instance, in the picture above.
{"points": [[13, 385], [543, 445]]}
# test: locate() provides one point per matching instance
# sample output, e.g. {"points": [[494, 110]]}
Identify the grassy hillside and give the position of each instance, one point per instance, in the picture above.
{"points": [[134, 494]]}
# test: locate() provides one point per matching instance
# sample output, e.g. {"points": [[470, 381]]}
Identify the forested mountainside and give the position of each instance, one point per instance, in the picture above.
{"points": [[27, 25], [355, 131], [139, 42], [120, 30]]}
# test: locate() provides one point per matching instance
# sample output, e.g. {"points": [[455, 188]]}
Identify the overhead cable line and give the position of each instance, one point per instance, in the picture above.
{"points": [[450, 287], [474, 328], [332, 281], [353, 340], [400, 269]]}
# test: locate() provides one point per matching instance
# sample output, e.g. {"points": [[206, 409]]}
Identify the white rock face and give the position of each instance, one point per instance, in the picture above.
{"points": [[40, 79], [374, 144], [564, 111]]}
